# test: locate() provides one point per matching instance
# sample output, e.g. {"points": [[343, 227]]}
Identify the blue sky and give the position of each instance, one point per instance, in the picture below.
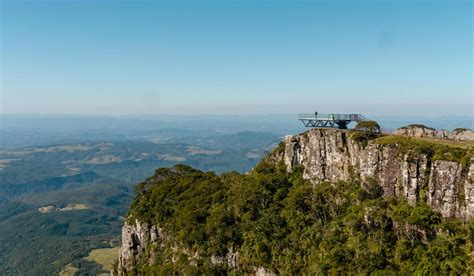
{"points": [[237, 57]]}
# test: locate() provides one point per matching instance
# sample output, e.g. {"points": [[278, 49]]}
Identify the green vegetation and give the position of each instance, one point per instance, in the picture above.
{"points": [[417, 126], [68, 270], [365, 131], [99, 262], [32, 239], [451, 143], [279, 221], [35, 243], [432, 148], [280, 148], [105, 257], [459, 129]]}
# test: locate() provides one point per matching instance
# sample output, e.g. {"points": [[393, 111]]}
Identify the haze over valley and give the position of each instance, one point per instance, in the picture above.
{"points": [[167, 137]]}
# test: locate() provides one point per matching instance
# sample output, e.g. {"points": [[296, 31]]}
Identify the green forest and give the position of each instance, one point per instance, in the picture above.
{"points": [[37, 243], [279, 221]]}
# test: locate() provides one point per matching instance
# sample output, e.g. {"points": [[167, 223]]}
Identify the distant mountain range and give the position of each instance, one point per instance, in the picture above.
{"points": [[38, 130]]}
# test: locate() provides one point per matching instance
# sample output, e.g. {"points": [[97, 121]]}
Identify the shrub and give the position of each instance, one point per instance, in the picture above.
{"points": [[371, 127], [417, 126], [459, 130], [365, 131]]}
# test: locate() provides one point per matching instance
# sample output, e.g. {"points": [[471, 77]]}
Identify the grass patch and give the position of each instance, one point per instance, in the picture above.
{"points": [[68, 270], [104, 256], [451, 143], [457, 151]]}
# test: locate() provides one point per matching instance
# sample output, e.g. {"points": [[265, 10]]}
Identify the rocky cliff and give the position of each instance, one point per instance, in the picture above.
{"points": [[422, 131], [330, 155], [140, 240], [442, 176], [137, 240]]}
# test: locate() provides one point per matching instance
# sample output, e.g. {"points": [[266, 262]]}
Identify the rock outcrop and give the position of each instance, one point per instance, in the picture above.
{"points": [[330, 155], [462, 134], [421, 131], [137, 240]]}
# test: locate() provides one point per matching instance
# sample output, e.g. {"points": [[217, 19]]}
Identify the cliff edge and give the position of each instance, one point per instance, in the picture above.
{"points": [[422, 131], [324, 201], [440, 174]]}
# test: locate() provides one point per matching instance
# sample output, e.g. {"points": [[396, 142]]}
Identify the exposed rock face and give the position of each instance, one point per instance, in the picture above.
{"points": [[231, 259], [420, 131], [330, 155], [445, 186], [140, 240], [136, 242], [462, 135], [469, 191], [260, 271]]}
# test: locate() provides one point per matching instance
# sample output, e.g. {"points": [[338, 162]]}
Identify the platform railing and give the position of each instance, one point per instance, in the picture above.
{"points": [[331, 117]]}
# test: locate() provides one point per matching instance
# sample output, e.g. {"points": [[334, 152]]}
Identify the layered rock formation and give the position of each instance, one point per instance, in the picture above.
{"points": [[330, 155], [462, 134], [421, 131], [137, 240]]}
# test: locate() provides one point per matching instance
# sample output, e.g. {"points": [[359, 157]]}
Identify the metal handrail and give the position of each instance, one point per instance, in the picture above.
{"points": [[331, 117]]}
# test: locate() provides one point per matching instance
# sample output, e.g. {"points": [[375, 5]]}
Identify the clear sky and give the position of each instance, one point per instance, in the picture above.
{"points": [[237, 57]]}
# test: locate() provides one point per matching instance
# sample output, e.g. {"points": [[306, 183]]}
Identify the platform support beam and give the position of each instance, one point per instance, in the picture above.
{"points": [[340, 121]]}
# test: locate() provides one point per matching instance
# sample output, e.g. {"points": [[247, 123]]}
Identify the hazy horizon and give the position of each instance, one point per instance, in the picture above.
{"points": [[26, 114], [165, 137]]}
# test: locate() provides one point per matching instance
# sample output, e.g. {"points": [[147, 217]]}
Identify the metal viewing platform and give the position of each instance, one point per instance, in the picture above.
{"points": [[329, 120]]}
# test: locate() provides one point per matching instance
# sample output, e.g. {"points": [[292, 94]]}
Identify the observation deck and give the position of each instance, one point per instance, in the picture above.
{"points": [[329, 120]]}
